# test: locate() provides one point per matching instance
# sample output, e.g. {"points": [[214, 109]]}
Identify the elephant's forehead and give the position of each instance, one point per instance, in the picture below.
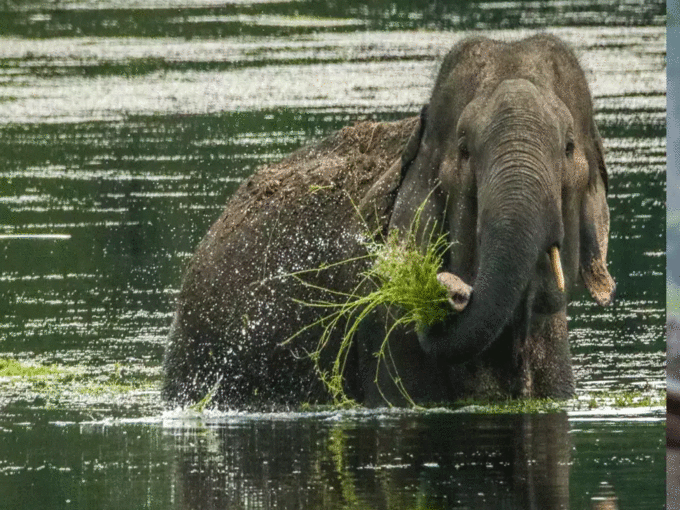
{"points": [[515, 110], [522, 94], [478, 74]]}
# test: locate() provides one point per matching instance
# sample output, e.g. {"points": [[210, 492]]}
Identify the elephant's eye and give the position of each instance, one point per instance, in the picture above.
{"points": [[569, 151], [463, 150]]}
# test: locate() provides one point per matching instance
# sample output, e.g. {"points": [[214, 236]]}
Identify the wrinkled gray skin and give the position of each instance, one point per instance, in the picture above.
{"points": [[509, 146], [509, 163]]}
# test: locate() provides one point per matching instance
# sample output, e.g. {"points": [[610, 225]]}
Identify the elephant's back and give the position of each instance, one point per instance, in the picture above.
{"points": [[297, 214]]}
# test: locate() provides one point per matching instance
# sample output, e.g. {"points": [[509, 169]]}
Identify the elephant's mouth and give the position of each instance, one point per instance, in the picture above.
{"points": [[459, 293]]}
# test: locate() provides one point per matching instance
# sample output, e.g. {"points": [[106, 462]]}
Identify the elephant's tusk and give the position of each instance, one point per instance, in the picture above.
{"points": [[557, 267]]}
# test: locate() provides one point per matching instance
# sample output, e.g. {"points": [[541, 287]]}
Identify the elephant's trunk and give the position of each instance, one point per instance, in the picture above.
{"points": [[513, 233]]}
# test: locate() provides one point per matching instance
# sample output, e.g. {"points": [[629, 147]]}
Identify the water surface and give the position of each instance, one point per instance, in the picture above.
{"points": [[125, 128]]}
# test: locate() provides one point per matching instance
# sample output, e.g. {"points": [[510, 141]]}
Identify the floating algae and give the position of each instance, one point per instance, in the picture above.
{"points": [[72, 387], [13, 368]]}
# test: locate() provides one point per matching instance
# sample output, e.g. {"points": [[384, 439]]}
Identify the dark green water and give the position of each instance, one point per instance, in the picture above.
{"points": [[127, 126]]}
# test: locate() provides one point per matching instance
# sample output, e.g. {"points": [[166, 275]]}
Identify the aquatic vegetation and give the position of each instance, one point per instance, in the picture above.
{"points": [[600, 401], [13, 368], [202, 404], [403, 279], [517, 406], [620, 399], [57, 386]]}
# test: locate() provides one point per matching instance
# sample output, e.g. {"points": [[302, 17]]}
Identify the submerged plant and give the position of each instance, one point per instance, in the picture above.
{"points": [[403, 277]]}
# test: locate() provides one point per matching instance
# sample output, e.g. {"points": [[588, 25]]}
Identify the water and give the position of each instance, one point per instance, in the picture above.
{"points": [[335, 460], [124, 129]]}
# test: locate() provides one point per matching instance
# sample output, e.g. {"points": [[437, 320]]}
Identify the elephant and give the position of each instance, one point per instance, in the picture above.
{"points": [[505, 160]]}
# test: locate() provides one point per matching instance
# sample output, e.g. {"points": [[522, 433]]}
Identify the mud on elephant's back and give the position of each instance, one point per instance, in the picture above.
{"points": [[236, 305]]}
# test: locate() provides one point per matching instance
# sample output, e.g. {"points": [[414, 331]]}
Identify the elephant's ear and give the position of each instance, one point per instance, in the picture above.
{"points": [[595, 227], [417, 189], [382, 195], [413, 145], [595, 156]]}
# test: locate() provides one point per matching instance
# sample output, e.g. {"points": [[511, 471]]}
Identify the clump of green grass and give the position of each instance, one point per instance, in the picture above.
{"points": [[403, 277], [407, 278]]}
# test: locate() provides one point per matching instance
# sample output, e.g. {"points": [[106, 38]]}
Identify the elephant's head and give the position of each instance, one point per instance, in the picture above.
{"points": [[511, 167]]}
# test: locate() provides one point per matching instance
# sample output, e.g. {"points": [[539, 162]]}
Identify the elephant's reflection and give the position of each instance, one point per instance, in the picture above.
{"points": [[433, 460]]}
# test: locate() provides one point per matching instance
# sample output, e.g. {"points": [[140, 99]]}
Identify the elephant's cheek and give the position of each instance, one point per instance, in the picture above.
{"points": [[449, 174]]}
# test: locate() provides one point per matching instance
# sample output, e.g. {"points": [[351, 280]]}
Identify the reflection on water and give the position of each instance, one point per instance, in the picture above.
{"points": [[125, 127], [393, 460], [511, 462]]}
